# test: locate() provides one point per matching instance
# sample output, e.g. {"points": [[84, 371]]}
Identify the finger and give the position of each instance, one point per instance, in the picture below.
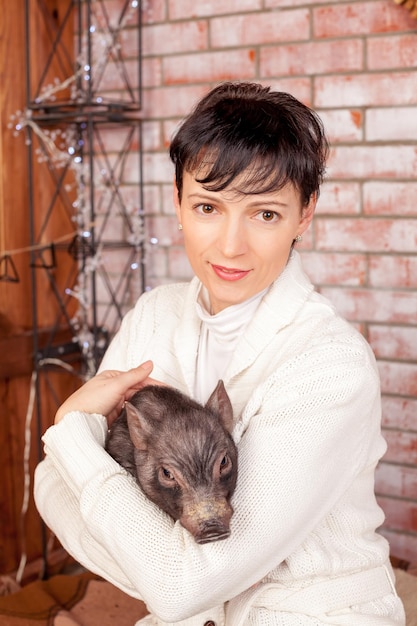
{"points": [[147, 366], [125, 379], [139, 374]]}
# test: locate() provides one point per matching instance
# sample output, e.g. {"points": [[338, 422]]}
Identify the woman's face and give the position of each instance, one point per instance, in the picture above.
{"points": [[238, 244]]}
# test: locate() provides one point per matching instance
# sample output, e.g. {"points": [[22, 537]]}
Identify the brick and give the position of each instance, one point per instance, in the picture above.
{"points": [[129, 43], [116, 203], [403, 546], [128, 170], [191, 8], [110, 317], [312, 58], [209, 66], [156, 266], [291, 3], [153, 11], [169, 129], [115, 263], [359, 18], [300, 86], [373, 161], [402, 447], [392, 52], [335, 269], [366, 235], [391, 124], [111, 13], [127, 198], [179, 266], [171, 101], [151, 72], [164, 229], [152, 136], [393, 271], [394, 342], [157, 168], [399, 413], [259, 28], [372, 305], [339, 198], [113, 79], [396, 480], [399, 378], [343, 125], [175, 37], [156, 281], [385, 89], [152, 199], [136, 287], [167, 199], [115, 138], [390, 198], [400, 514]]}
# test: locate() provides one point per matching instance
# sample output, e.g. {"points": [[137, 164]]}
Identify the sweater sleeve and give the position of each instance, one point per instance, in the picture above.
{"points": [[306, 433]]}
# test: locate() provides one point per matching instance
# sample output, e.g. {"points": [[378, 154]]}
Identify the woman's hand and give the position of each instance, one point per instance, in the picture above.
{"points": [[106, 393]]}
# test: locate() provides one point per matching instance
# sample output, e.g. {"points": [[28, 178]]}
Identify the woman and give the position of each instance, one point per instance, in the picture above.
{"points": [[303, 383]]}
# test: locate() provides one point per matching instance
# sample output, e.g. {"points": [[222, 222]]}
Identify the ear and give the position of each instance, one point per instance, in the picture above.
{"points": [[219, 401], [177, 202], [307, 213], [139, 429]]}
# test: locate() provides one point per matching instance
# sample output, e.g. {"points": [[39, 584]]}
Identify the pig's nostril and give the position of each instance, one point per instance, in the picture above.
{"points": [[212, 534], [213, 537]]}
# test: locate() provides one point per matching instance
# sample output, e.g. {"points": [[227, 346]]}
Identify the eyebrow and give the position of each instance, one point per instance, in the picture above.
{"points": [[261, 203]]}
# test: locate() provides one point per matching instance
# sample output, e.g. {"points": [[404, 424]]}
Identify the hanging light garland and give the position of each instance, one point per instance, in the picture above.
{"points": [[64, 149]]}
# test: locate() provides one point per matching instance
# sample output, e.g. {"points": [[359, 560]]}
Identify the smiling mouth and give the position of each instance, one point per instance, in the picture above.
{"points": [[229, 273]]}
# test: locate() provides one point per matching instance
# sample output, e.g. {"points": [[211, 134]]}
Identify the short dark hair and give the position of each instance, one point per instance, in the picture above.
{"points": [[245, 127]]}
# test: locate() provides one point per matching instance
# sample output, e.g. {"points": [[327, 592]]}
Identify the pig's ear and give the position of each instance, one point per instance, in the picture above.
{"points": [[219, 402], [138, 427]]}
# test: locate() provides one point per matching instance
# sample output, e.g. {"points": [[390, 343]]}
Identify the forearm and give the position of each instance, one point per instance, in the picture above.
{"points": [[56, 502], [125, 538]]}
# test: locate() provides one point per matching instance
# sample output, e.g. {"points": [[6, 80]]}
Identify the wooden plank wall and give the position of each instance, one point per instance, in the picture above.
{"points": [[16, 333]]}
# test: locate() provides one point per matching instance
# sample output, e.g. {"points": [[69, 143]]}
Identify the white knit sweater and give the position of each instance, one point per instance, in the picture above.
{"points": [[304, 387]]}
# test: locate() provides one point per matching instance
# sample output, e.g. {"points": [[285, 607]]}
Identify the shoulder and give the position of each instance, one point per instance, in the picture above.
{"points": [[170, 298], [169, 292]]}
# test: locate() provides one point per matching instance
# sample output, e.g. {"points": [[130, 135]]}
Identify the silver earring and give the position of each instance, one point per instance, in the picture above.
{"points": [[179, 226], [298, 238]]}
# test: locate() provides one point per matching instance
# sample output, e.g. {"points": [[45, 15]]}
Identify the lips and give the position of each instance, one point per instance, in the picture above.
{"points": [[229, 273]]}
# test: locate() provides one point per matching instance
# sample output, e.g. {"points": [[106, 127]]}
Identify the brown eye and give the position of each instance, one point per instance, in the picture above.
{"points": [[167, 474]]}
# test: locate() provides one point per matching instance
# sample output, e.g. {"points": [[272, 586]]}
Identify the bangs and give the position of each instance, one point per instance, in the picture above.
{"points": [[239, 169]]}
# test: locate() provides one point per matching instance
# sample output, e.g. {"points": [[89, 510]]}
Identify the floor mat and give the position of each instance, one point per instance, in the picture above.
{"points": [[70, 600]]}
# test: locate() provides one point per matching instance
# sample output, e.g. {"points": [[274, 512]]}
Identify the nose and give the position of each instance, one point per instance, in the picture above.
{"points": [[233, 237], [212, 530]]}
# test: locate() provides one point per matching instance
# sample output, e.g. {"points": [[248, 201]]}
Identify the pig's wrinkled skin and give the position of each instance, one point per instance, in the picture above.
{"points": [[182, 455]]}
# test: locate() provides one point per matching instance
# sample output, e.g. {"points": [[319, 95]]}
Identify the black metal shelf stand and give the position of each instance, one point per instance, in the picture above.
{"points": [[83, 133]]}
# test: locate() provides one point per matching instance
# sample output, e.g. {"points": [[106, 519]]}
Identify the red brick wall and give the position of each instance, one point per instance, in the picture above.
{"points": [[354, 62]]}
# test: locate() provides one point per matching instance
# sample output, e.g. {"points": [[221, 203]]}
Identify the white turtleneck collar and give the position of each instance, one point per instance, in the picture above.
{"points": [[218, 338]]}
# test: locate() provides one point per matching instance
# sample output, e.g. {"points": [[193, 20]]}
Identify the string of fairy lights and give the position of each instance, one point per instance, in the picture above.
{"points": [[62, 148]]}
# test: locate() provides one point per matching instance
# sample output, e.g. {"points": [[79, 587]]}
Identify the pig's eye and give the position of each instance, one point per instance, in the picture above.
{"points": [[224, 463], [166, 477]]}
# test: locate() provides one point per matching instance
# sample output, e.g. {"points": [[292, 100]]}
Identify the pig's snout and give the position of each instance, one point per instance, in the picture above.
{"points": [[207, 520], [212, 531]]}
